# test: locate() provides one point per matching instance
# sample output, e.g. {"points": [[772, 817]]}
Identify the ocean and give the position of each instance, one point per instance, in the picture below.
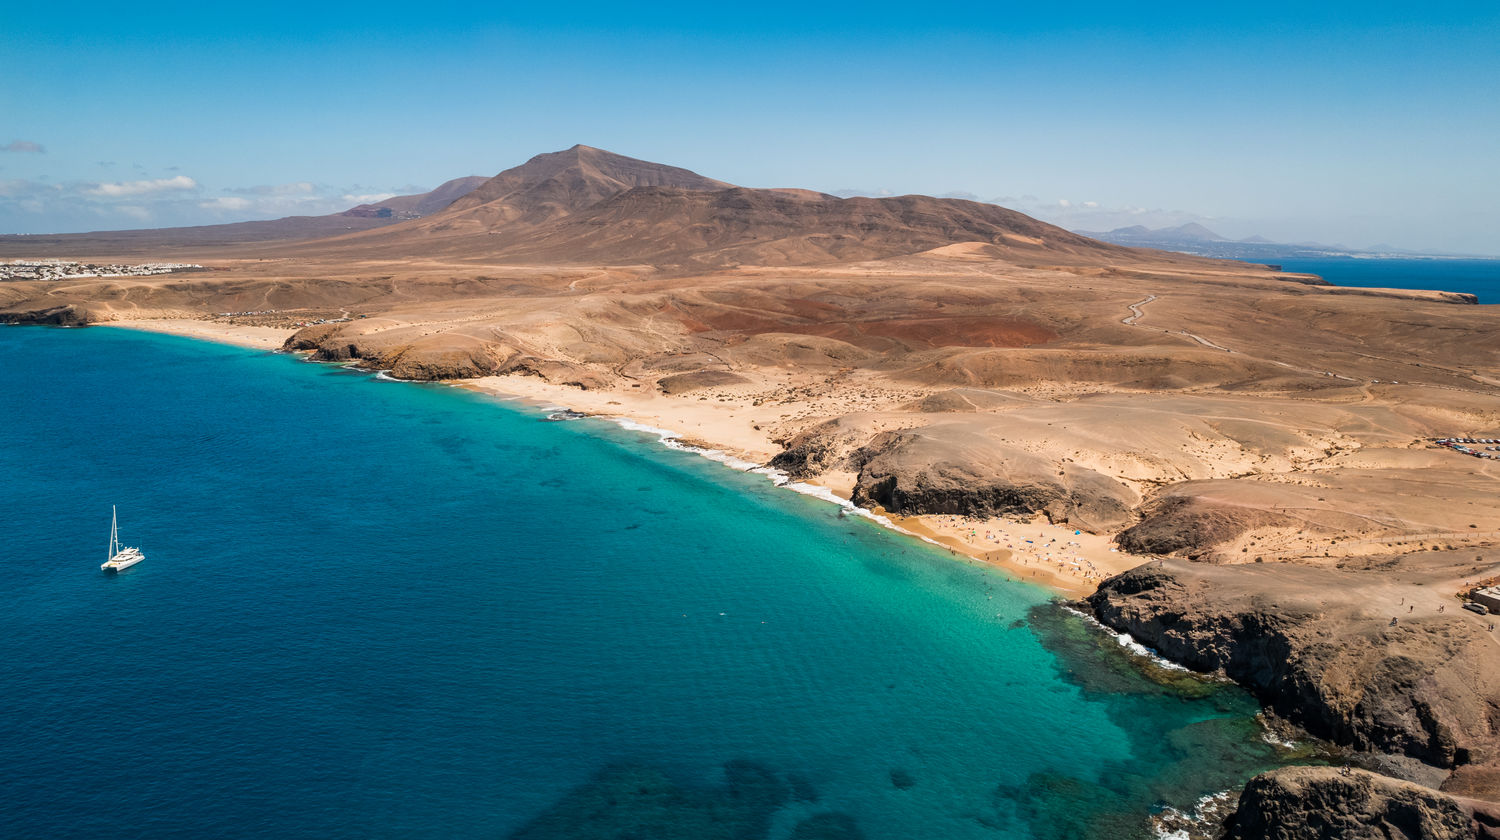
{"points": [[373, 609], [1478, 277]]}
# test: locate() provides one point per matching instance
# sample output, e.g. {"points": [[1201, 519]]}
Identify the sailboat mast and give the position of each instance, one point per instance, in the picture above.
{"points": [[114, 534]]}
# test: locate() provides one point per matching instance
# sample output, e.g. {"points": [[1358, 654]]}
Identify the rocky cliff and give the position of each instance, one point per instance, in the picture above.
{"points": [[1324, 803], [954, 471], [1317, 645], [1417, 697], [419, 356]]}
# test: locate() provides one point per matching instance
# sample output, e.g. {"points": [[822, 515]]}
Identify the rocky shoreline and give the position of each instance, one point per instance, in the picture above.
{"points": [[1414, 699]]}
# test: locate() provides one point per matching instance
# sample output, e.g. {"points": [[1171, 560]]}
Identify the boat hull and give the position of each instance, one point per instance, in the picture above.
{"points": [[121, 562]]}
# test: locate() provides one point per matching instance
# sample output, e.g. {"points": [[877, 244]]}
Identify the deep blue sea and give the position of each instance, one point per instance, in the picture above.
{"points": [[1478, 277], [383, 610]]}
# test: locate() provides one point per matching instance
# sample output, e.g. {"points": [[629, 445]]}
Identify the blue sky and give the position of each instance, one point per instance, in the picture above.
{"points": [[1354, 123]]}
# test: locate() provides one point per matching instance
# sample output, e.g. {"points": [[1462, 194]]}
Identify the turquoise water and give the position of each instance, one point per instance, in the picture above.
{"points": [[376, 609], [1478, 277]]}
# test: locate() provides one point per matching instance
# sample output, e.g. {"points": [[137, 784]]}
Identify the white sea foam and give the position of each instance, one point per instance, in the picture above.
{"points": [[1270, 738], [673, 440], [1128, 642], [1269, 735], [1208, 812]]}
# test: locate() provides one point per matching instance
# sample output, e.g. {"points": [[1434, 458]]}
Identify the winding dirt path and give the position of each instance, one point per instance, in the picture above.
{"points": [[1135, 311]]}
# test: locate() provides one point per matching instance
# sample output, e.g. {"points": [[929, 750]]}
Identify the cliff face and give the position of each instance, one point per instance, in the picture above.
{"points": [[416, 356], [1420, 697], [954, 471], [1321, 803], [1311, 644], [66, 315], [1194, 527]]}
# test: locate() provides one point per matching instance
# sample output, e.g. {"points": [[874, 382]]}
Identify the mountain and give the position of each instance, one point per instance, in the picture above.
{"points": [[286, 229], [1195, 231], [404, 207], [550, 186], [1195, 239], [587, 205], [1153, 238]]}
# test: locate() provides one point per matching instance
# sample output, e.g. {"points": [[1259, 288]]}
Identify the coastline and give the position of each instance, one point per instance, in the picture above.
{"points": [[258, 338], [1063, 560]]}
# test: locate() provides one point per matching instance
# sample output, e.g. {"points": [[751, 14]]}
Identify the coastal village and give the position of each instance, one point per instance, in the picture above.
{"points": [[19, 270]]}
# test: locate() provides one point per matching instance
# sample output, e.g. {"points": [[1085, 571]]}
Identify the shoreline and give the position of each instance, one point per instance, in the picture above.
{"points": [[1065, 561], [257, 338]]}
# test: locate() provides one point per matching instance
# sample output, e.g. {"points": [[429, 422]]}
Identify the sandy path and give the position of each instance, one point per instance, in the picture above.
{"points": [[1136, 313]]}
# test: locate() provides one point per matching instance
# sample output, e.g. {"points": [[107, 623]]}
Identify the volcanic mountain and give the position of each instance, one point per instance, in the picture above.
{"points": [[590, 206]]}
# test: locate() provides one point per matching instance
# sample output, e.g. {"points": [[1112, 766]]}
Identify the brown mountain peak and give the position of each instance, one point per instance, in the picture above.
{"points": [[556, 184]]}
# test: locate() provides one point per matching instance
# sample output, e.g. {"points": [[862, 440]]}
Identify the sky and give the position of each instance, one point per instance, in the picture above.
{"points": [[1350, 123]]}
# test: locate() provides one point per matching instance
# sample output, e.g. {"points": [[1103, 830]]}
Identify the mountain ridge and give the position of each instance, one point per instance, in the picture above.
{"points": [[589, 205]]}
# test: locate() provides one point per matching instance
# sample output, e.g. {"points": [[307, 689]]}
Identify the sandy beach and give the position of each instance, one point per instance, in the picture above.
{"points": [[260, 338]]}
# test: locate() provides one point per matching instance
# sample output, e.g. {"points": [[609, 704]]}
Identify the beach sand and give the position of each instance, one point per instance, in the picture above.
{"points": [[260, 338]]}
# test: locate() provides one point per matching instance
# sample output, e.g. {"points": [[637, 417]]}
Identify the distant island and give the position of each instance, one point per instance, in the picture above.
{"points": [[1194, 238]]}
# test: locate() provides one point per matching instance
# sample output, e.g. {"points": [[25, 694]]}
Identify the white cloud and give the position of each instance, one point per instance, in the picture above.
{"points": [[227, 202], [37, 206], [1097, 217], [126, 188], [24, 147], [862, 193], [20, 187], [369, 198], [294, 188]]}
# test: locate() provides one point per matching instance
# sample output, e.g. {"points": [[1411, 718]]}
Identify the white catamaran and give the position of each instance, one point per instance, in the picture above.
{"points": [[119, 558]]}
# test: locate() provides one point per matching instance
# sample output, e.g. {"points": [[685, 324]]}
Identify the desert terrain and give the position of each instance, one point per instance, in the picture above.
{"points": [[1063, 407]]}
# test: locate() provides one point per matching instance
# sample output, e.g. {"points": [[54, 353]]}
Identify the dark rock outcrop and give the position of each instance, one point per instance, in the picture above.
{"points": [[431, 358], [826, 446], [1424, 688], [950, 471], [1324, 803], [1192, 527], [682, 383], [65, 315]]}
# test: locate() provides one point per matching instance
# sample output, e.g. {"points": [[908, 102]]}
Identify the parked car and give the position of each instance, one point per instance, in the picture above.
{"points": [[1479, 608]]}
